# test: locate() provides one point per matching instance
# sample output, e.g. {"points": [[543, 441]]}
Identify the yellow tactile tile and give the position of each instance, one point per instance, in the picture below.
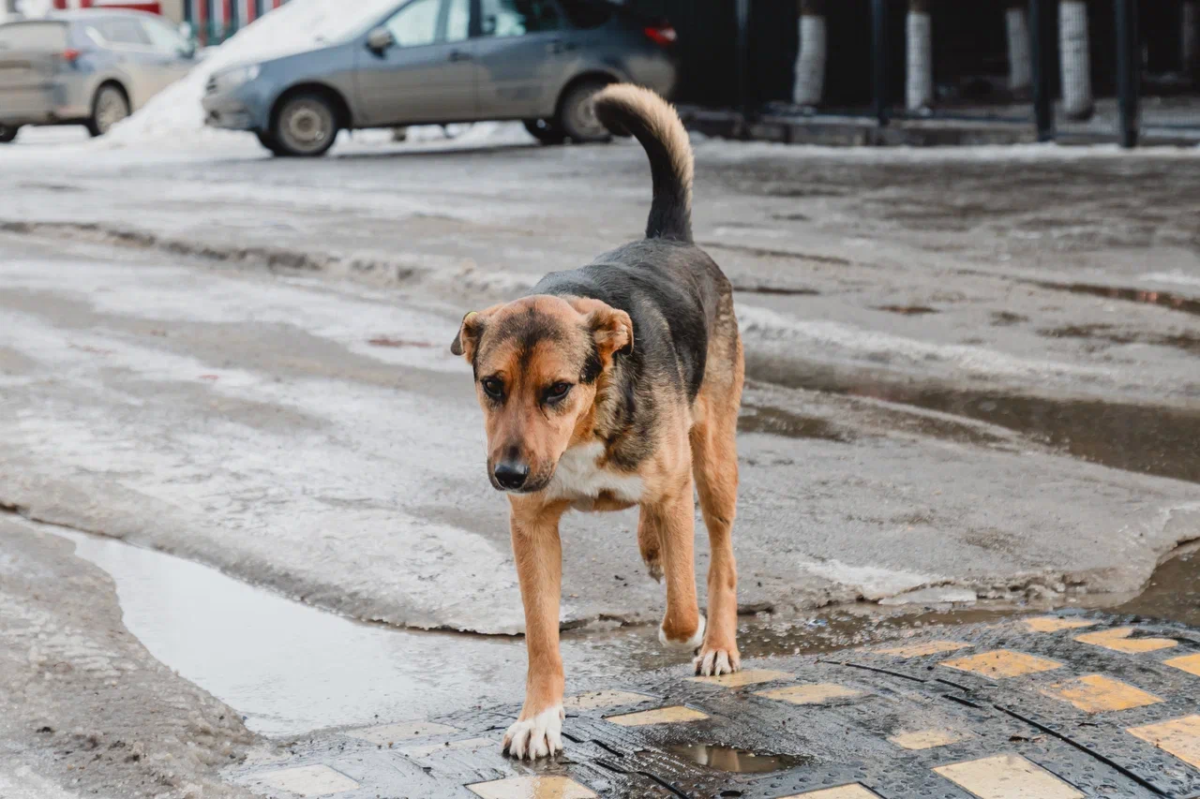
{"points": [[1001, 663], [920, 650], [1179, 737], [308, 781], [531, 788], [662, 715], [854, 791], [1118, 640], [740, 678], [1053, 624], [810, 694], [394, 733], [1094, 693], [1007, 777], [1188, 663], [596, 700], [928, 739]]}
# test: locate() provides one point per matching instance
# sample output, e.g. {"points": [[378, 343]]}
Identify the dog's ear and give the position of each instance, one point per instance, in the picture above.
{"points": [[612, 329], [468, 335]]}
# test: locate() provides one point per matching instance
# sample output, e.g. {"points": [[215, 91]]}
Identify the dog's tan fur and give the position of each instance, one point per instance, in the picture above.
{"points": [[693, 447]]}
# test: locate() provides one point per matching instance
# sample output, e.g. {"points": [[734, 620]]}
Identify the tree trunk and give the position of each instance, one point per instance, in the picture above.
{"points": [[1075, 57], [1020, 60], [810, 61], [1190, 37], [919, 94]]}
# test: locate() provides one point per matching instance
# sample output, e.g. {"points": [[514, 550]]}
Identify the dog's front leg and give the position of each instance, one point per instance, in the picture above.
{"points": [[538, 553]]}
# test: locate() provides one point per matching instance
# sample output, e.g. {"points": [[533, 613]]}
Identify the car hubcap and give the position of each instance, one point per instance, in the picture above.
{"points": [[307, 126], [109, 111], [584, 116]]}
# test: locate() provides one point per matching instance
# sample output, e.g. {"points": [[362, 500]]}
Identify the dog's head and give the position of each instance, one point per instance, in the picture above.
{"points": [[538, 363]]}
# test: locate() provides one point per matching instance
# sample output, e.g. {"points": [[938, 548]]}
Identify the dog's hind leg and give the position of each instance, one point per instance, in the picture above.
{"points": [[538, 553], [672, 521], [651, 548]]}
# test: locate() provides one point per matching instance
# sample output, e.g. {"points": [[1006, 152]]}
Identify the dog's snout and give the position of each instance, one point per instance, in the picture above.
{"points": [[511, 475]]}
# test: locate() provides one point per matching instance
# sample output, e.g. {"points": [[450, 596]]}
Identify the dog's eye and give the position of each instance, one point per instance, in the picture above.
{"points": [[493, 387], [557, 391]]}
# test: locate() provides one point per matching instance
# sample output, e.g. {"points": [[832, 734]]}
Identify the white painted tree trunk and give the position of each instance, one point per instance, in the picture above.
{"points": [[810, 61], [1189, 35], [1075, 57], [919, 94], [1020, 59]]}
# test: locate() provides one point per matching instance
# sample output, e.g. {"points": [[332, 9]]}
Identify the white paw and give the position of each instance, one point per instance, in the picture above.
{"points": [[690, 645], [716, 662], [540, 736]]}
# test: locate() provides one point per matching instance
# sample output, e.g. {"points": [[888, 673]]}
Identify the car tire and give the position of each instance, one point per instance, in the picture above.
{"points": [[305, 126], [268, 141], [109, 106], [545, 131], [576, 116], [8, 134]]}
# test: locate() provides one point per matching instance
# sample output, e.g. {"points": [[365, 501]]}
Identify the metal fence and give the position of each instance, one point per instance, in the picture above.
{"points": [[1107, 70]]}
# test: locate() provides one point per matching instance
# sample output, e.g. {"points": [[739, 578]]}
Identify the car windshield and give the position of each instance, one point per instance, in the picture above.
{"points": [[339, 25], [49, 36]]}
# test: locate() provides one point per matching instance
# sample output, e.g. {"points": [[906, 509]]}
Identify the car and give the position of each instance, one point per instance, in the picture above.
{"points": [[86, 67], [448, 61]]}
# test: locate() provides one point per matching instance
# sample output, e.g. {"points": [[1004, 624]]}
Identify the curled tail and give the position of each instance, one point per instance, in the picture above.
{"points": [[628, 110]]}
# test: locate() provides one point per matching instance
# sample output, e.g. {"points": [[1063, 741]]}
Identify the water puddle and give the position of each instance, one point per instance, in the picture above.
{"points": [[1149, 439], [1113, 335], [777, 290], [1173, 593], [791, 425], [737, 761], [907, 310], [1174, 302]]}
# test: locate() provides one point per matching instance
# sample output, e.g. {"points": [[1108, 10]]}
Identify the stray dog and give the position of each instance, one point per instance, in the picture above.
{"points": [[614, 385]]}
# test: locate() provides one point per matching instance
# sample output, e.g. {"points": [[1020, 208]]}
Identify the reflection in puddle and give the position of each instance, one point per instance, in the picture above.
{"points": [[739, 761], [1150, 439]]}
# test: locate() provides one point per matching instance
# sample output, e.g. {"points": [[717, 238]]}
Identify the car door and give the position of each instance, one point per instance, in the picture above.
{"points": [[523, 48], [426, 73], [129, 47]]}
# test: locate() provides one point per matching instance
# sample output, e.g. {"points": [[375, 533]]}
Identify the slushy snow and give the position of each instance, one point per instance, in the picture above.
{"points": [[175, 116]]}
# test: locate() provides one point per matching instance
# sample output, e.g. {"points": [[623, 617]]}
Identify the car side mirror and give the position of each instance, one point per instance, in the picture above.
{"points": [[380, 39]]}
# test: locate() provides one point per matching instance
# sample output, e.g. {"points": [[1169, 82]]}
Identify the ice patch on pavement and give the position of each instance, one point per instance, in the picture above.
{"points": [[871, 582], [1175, 276]]}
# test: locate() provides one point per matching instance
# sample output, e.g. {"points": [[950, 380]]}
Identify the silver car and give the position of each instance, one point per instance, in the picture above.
{"points": [[444, 61], [91, 68]]}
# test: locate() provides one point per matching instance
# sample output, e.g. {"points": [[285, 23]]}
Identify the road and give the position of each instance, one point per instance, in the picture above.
{"points": [[972, 375]]}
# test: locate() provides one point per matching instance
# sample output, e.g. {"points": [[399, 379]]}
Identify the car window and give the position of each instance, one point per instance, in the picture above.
{"points": [[458, 20], [415, 24], [518, 17], [50, 36], [163, 38], [123, 32], [587, 13]]}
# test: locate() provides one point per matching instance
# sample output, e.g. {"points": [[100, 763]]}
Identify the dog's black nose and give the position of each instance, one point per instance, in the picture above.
{"points": [[511, 475]]}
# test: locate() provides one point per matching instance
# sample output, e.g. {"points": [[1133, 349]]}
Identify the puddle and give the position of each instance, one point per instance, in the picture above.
{"points": [[1007, 318], [384, 341], [1173, 593], [737, 761], [1138, 438], [1174, 302], [791, 425], [907, 310], [779, 290], [1113, 335]]}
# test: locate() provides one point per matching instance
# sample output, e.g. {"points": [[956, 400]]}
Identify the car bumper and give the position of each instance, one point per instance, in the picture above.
{"points": [[241, 108], [41, 105]]}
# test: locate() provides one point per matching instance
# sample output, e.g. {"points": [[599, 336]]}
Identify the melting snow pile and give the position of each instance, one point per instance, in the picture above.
{"points": [[175, 116]]}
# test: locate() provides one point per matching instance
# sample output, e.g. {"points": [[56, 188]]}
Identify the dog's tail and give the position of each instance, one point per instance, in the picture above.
{"points": [[628, 110]]}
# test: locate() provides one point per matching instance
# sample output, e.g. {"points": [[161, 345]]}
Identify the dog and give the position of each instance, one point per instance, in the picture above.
{"points": [[612, 386]]}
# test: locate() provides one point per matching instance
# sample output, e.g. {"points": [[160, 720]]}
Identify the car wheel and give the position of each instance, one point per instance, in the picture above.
{"points": [[545, 131], [7, 134], [268, 141], [577, 114], [109, 107], [306, 126]]}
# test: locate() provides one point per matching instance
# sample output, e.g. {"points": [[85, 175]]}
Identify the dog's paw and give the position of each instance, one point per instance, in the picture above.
{"points": [[539, 736], [690, 645], [715, 662]]}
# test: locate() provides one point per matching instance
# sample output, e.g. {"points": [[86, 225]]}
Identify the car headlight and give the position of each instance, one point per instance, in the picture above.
{"points": [[232, 78]]}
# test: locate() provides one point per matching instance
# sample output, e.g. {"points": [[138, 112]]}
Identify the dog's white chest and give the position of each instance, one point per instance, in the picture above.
{"points": [[580, 479]]}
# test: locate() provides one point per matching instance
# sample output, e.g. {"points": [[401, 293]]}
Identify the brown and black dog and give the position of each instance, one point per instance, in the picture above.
{"points": [[614, 385]]}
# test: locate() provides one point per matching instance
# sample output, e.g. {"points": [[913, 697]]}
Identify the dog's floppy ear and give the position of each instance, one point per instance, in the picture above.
{"points": [[468, 335], [612, 329]]}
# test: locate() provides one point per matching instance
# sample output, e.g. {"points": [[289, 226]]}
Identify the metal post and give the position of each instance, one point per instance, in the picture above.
{"points": [[1039, 45], [879, 51], [1128, 71], [743, 57]]}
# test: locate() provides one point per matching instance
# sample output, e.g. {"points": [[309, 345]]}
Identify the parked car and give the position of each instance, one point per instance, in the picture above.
{"points": [[88, 67], [446, 61]]}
